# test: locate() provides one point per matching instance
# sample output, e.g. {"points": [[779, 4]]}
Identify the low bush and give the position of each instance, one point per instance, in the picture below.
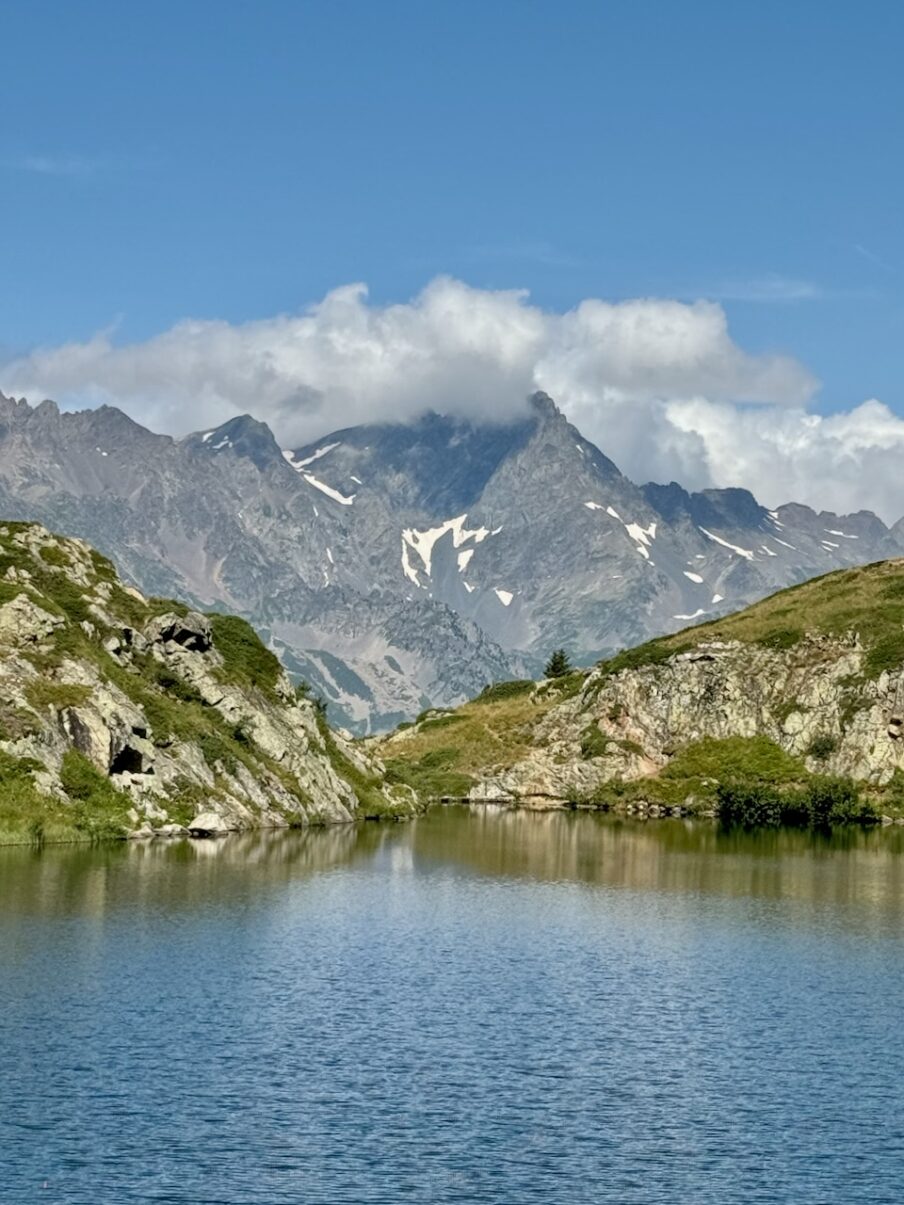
{"points": [[822, 802], [505, 690], [822, 747], [593, 742]]}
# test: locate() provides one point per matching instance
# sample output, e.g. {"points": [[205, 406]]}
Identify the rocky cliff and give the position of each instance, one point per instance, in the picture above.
{"points": [[808, 684], [121, 714]]}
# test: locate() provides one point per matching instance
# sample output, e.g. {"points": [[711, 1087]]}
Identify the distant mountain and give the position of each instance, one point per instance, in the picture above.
{"points": [[402, 566]]}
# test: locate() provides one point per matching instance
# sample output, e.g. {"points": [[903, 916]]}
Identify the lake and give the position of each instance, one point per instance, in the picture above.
{"points": [[478, 1006]]}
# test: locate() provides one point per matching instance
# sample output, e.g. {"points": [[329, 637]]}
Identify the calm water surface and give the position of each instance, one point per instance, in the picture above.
{"points": [[476, 1007]]}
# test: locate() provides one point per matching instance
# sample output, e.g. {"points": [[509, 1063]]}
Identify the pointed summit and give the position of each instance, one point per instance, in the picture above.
{"points": [[543, 405], [243, 435]]}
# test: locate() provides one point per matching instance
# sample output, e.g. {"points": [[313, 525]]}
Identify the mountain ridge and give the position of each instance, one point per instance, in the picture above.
{"points": [[402, 566]]}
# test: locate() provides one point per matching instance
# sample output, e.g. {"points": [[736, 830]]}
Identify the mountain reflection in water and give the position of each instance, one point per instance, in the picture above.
{"points": [[479, 1006]]}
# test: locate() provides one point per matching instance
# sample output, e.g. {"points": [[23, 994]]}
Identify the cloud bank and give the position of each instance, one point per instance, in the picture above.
{"points": [[659, 384]]}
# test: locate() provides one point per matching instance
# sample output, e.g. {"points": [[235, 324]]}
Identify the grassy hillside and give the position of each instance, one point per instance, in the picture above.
{"points": [[444, 753], [868, 601], [642, 760], [119, 712]]}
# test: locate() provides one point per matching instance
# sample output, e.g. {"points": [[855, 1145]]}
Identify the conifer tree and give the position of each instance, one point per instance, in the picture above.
{"points": [[558, 665]]}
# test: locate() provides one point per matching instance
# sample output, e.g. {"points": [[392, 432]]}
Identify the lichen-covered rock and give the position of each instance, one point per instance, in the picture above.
{"points": [[23, 621]]}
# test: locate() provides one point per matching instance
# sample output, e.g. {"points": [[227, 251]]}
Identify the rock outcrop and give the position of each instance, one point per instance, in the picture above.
{"points": [[806, 684], [814, 696], [119, 713]]}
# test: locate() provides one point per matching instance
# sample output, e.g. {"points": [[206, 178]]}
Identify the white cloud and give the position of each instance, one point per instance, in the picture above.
{"points": [[660, 385]]}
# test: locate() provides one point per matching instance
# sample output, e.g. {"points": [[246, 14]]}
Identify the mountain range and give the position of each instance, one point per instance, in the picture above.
{"points": [[402, 566]]}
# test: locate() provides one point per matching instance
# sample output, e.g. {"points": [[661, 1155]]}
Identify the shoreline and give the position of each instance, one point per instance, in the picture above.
{"points": [[532, 803]]}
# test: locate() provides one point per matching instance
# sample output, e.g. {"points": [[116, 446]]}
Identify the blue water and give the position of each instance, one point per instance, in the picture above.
{"points": [[486, 1007]]}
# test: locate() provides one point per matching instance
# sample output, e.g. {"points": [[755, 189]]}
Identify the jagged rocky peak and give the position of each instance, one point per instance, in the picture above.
{"points": [[720, 508], [242, 435]]}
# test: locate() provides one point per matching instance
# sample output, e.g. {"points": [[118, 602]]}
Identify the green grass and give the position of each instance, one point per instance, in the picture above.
{"points": [[100, 812], [433, 722], [432, 777], [506, 690], [52, 554], [652, 653], [868, 601], [493, 731], [372, 802], [247, 661], [696, 771], [59, 695]]}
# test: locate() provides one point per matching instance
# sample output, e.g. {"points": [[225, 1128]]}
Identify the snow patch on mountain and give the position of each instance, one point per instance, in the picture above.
{"points": [[298, 465], [423, 542], [745, 552], [328, 490]]}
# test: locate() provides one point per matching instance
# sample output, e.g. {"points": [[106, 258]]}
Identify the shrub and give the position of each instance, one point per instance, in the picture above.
{"points": [[823, 802], [593, 742], [754, 805], [822, 747], [304, 694]]}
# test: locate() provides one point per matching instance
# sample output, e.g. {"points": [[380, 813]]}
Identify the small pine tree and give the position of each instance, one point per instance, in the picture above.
{"points": [[558, 665]]}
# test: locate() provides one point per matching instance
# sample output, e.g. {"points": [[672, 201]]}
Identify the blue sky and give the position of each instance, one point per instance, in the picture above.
{"points": [[236, 161]]}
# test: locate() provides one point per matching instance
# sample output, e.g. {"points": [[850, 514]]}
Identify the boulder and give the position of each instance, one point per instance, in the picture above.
{"points": [[208, 824], [24, 622], [191, 631]]}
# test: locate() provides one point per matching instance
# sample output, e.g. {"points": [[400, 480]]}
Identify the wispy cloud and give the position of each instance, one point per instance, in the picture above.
{"points": [[772, 289], [54, 165], [769, 289], [872, 258]]}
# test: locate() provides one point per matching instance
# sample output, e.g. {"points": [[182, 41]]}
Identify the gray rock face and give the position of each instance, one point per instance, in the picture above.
{"points": [[397, 567]]}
